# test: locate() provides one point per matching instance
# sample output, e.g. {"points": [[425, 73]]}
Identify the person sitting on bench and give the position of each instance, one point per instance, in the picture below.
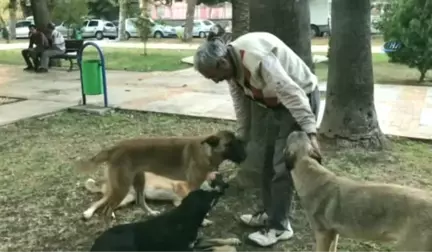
{"points": [[40, 41], [57, 47]]}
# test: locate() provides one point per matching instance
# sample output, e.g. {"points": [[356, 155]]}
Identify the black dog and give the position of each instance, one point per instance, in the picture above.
{"points": [[176, 230]]}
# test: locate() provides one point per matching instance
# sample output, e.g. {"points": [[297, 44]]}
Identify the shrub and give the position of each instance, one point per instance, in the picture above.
{"points": [[409, 22]]}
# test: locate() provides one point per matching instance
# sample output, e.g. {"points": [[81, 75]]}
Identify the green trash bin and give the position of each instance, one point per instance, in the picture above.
{"points": [[92, 77], [78, 34]]}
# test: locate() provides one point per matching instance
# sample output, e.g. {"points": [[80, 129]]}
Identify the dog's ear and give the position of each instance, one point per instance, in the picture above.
{"points": [[315, 155], [212, 140]]}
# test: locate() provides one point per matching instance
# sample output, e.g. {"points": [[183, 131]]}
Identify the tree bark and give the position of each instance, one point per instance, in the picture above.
{"points": [[190, 14], [240, 17], [12, 6], [41, 14], [350, 118], [268, 16], [422, 75], [250, 170], [122, 19]]}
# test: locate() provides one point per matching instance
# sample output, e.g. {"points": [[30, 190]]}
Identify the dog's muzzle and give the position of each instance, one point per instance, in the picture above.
{"points": [[217, 185]]}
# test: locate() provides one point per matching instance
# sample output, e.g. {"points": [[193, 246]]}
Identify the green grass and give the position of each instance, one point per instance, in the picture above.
{"points": [[42, 196], [384, 72], [120, 59]]}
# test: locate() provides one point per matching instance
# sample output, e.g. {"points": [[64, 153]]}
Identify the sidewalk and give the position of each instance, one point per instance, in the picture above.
{"points": [[168, 46], [402, 110]]}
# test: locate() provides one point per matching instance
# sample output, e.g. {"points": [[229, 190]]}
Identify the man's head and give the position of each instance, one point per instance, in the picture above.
{"points": [[32, 29], [50, 27], [211, 60]]}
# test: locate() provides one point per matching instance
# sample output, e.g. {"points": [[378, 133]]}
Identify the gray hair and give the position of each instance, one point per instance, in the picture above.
{"points": [[209, 53]]}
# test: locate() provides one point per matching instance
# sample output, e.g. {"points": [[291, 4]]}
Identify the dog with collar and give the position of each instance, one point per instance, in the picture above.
{"points": [[364, 210], [175, 230]]}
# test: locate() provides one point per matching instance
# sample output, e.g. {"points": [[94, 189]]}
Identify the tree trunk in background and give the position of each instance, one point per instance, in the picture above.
{"points": [[350, 118], [190, 14], [122, 20], [42, 17], [249, 172], [288, 20], [240, 17], [26, 10], [12, 7], [41, 14]]}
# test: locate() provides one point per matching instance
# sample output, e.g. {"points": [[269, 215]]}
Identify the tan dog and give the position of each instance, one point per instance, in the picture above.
{"points": [[156, 188], [359, 210], [180, 158]]}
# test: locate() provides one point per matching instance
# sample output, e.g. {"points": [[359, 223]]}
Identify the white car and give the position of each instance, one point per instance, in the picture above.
{"points": [[21, 28], [99, 29], [156, 30], [201, 28]]}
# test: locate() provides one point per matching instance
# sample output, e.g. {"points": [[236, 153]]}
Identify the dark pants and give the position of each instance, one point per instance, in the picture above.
{"points": [[277, 187], [31, 54]]}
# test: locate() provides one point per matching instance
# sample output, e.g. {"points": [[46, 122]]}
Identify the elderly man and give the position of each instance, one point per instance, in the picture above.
{"points": [[58, 47], [260, 67]]}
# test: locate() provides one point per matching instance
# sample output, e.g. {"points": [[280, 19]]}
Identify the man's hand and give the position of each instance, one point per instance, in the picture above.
{"points": [[212, 175], [314, 142]]}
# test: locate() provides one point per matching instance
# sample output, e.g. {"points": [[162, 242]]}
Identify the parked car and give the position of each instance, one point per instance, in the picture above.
{"points": [[201, 28], [156, 30], [21, 28], [99, 29]]}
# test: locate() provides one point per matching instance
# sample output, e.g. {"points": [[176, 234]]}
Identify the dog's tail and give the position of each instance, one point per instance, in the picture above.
{"points": [[93, 163], [92, 186]]}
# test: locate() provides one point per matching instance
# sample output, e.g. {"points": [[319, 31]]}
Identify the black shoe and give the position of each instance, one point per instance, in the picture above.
{"points": [[42, 70], [28, 69]]}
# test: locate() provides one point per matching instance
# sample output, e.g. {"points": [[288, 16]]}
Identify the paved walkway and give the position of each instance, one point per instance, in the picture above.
{"points": [[402, 110], [172, 46]]}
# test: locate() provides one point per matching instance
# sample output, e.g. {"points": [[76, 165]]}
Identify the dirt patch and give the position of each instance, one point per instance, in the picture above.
{"points": [[42, 197]]}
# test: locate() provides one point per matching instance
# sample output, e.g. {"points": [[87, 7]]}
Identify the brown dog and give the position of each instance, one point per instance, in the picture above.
{"points": [[360, 210], [156, 188], [180, 158]]}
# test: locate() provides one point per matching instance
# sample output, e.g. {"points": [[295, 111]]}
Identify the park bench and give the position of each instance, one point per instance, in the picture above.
{"points": [[72, 49]]}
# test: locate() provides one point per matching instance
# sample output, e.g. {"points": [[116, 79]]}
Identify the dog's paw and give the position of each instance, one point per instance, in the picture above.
{"points": [[206, 223], [86, 215], [233, 241], [154, 212]]}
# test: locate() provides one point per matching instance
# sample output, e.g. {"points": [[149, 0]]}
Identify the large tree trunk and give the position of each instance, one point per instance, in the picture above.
{"points": [[350, 118], [41, 14], [247, 175], [190, 14], [122, 19], [240, 17], [12, 6], [268, 16]]}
